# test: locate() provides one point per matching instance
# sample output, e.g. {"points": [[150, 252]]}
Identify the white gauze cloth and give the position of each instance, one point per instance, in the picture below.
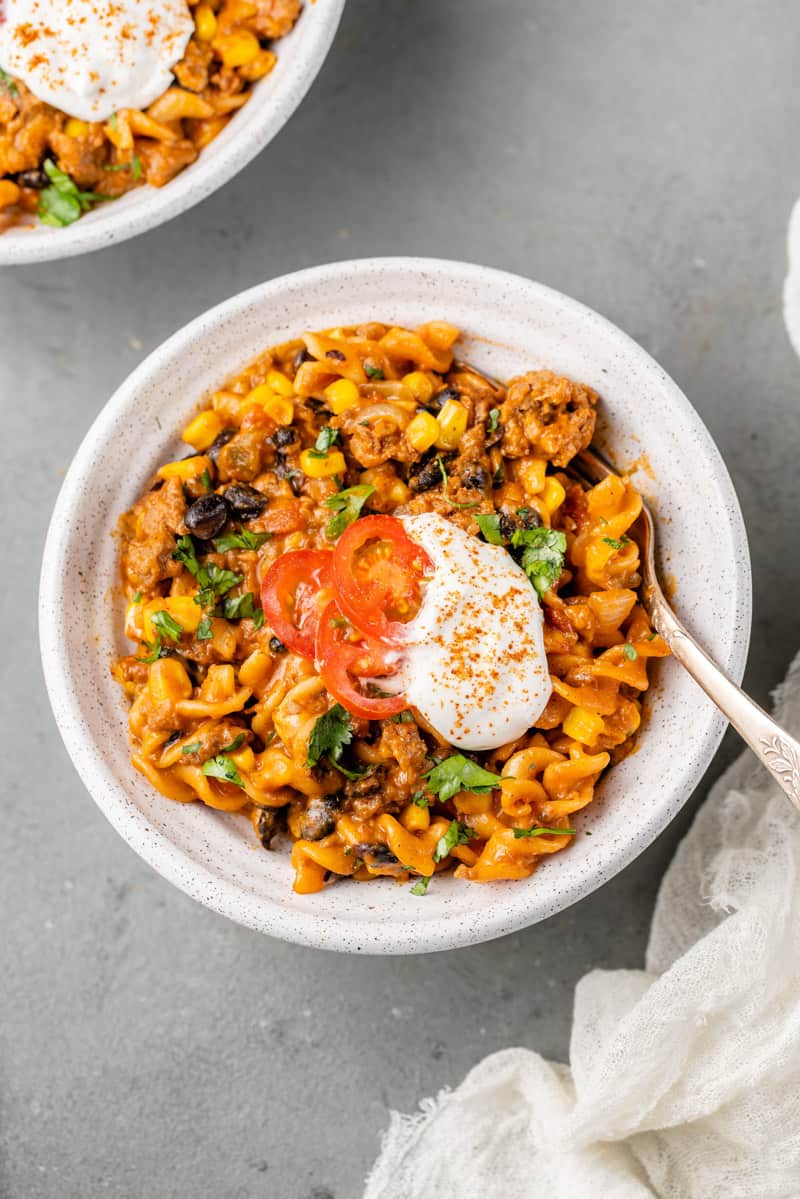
{"points": [[685, 1076]]}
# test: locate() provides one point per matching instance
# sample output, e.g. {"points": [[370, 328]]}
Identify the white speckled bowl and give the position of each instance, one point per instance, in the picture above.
{"points": [[510, 325], [300, 56]]}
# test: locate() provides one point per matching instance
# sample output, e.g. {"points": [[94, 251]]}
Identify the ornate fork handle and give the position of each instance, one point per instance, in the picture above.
{"points": [[775, 748]]}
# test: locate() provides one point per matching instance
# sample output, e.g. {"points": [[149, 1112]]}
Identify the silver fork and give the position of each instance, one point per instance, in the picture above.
{"points": [[775, 748]]}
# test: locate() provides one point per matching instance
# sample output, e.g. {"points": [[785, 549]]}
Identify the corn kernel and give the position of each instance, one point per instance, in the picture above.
{"points": [[342, 395], [9, 193], [414, 818], [168, 680], [531, 475], [583, 726], [277, 407], [279, 383], [452, 424], [186, 469], [180, 607], [76, 128], [422, 432], [255, 669], [237, 49], [420, 386], [398, 493], [322, 468], [219, 684], [205, 23], [553, 495], [259, 67], [244, 760], [203, 430]]}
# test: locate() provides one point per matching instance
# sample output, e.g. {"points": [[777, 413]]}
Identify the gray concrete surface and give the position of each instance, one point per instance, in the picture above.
{"points": [[641, 156]]}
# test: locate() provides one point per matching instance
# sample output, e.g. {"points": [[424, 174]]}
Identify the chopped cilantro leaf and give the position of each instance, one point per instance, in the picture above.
{"points": [[258, 618], [240, 541], [137, 597], [420, 799], [204, 630], [404, 717], [372, 372], [542, 555], [134, 166], [187, 555], [61, 203], [347, 505], [456, 774], [489, 525], [617, 543], [421, 886], [331, 733], [239, 607], [205, 479], [325, 439], [223, 768], [166, 626], [456, 834], [193, 748], [629, 652], [153, 651], [8, 83], [494, 420], [539, 830], [234, 745]]}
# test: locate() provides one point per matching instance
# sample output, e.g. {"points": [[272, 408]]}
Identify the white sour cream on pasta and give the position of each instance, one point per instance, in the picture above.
{"points": [[474, 663], [89, 58]]}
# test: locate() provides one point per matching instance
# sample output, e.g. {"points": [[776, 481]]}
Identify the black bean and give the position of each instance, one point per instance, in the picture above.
{"points": [[319, 818], [524, 518], [282, 437], [426, 473], [336, 355], [300, 357], [207, 516], [269, 823], [244, 501], [295, 477], [219, 441], [34, 179], [474, 475], [276, 646], [529, 518], [447, 393]]}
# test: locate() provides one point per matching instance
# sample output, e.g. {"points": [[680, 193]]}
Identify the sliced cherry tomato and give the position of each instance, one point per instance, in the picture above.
{"points": [[342, 662], [378, 585], [294, 591]]}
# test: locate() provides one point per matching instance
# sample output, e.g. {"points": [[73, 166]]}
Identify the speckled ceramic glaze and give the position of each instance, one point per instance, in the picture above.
{"points": [[300, 55], [510, 325]]}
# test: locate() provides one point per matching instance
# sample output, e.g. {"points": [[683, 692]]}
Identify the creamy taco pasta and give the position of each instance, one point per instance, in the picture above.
{"points": [[373, 612], [98, 98]]}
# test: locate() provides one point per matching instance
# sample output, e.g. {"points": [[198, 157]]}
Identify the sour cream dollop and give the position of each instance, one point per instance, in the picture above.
{"points": [[474, 662], [89, 58]]}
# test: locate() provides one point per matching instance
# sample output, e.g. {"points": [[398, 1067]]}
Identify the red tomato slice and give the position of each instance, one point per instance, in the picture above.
{"points": [[294, 591], [341, 662], [378, 584]]}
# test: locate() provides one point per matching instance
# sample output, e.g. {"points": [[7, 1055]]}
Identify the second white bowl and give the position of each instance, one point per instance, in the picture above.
{"points": [[300, 56]]}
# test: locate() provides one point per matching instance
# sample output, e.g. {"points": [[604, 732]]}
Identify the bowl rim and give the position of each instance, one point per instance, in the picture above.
{"points": [[207, 174], [198, 880]]}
